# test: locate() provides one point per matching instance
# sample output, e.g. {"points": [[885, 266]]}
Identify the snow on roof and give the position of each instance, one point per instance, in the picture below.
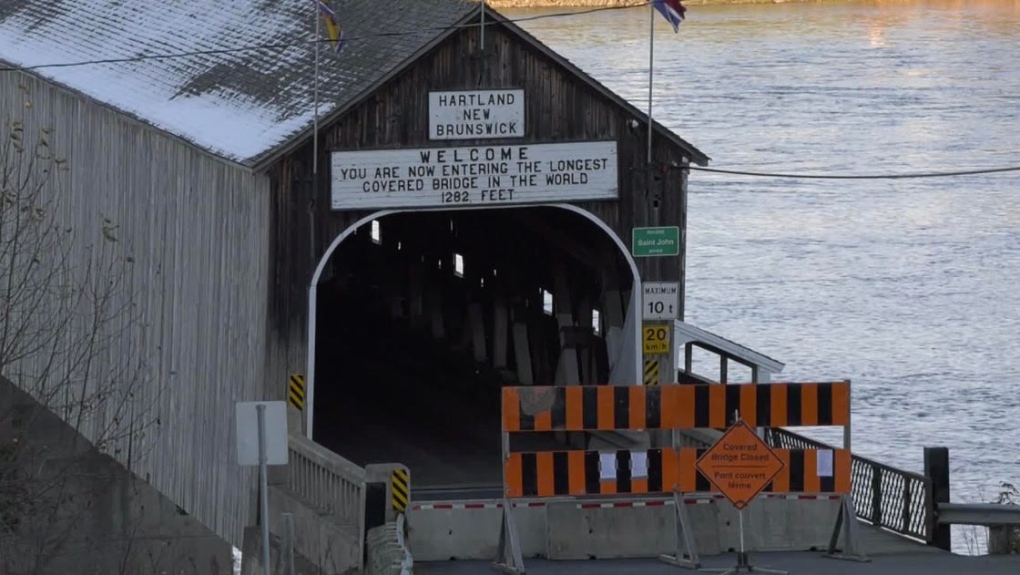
{"points": [[239, 104]]}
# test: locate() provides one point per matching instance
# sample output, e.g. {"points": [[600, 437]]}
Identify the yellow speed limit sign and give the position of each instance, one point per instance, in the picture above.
{"points": [[655, 339]]}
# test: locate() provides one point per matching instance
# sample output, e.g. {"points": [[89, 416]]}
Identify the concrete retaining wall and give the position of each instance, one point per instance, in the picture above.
{"points": [[251, 559], [563, 530], [334, 548], [75, 510]]}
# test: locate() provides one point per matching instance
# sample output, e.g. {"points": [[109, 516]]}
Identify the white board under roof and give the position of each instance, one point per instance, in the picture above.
{"points": [[476, 114]]}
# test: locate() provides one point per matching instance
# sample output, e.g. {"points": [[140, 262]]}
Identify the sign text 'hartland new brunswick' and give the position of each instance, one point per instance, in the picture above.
{"points": [[474, 114]]}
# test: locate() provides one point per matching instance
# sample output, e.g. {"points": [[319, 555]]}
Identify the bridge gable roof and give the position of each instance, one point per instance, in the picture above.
{"points": [[238, 78], [235, 78]]}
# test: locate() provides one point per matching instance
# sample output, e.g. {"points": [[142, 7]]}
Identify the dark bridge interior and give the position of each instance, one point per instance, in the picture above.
{"points": [[425, 315]]}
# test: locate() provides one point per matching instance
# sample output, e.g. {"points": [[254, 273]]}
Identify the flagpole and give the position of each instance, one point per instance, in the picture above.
{"points": [[315, 97], [482, 38], [651, 65]]}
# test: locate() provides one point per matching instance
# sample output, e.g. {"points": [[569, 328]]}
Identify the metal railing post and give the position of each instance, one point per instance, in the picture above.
{"points": [[936, 467], [907, 500], [876, 495]]}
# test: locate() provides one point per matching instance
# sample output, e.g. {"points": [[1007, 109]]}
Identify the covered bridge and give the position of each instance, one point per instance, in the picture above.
{"points": [[488, 240]]}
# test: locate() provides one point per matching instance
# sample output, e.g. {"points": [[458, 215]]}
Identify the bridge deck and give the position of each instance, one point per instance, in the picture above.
{"points": [[890, 555], [796, 563]]}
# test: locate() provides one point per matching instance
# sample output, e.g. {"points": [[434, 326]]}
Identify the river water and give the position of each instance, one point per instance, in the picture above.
{"points": [[908, 287]]}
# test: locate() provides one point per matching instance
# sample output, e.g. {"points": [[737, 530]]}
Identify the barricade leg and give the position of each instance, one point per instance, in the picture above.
{"points": [[510, 559], [847, 519], [686, 551]]}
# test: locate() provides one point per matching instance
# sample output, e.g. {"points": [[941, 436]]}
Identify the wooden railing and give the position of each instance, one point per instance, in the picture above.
{"points": [[897, 500], [332, 485]]}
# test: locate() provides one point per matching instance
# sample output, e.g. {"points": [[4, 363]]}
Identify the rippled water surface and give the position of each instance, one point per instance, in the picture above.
{"points": [[908, 287]]}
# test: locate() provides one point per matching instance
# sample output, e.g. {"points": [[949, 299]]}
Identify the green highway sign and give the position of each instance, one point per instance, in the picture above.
{"points": [[653, 242]]}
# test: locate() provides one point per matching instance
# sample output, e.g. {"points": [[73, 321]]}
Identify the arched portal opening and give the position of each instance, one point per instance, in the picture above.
{"points": [[420, 317]]}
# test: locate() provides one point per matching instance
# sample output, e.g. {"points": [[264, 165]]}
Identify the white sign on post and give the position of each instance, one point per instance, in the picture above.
{"points": [[470, 114], [661, 301], [474, 176], [248, 432]]}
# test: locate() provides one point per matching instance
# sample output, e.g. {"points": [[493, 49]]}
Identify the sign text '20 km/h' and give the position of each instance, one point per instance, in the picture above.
{"points": [[473, 176], [655, 339]]}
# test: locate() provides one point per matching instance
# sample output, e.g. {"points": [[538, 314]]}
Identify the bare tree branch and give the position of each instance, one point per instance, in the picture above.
{"points": [[68, 321]]}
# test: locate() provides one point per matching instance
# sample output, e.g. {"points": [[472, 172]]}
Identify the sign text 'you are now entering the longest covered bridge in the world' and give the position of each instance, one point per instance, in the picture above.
{"points": [[475, 176]]}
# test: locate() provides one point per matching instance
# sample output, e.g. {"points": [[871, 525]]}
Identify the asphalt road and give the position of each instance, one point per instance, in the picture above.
{"points": [[795, 563]]}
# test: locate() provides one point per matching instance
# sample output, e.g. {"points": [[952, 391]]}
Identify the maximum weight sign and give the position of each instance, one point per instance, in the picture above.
{"points": [[661, 301]]}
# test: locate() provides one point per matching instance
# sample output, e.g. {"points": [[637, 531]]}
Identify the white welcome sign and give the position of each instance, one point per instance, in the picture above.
{"points": [[474, 176]]}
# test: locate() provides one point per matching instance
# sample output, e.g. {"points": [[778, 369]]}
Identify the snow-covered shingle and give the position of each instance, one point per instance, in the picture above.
{"points": [[239, 104]]}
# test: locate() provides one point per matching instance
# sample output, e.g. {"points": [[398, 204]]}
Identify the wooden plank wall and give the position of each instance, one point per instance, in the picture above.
{"points": [[196, 228], [559, 107]]}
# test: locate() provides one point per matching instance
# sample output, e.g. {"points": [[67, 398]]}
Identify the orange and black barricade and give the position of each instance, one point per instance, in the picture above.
{"points": [[657, 471], [572, 473], [670, 470], [616, 408]]}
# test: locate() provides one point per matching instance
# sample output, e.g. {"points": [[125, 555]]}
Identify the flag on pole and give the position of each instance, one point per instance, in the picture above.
{"points": [[333, 30], [672, 11]]}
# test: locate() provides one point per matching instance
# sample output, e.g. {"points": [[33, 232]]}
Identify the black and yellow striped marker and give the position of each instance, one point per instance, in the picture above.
{"points": [[400, 488], [296, 391], [651, 372]]}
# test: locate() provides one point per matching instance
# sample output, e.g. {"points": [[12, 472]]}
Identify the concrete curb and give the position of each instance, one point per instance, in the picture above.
{"points": [[387, 550]]}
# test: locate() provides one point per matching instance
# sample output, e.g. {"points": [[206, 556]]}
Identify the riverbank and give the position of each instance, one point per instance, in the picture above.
{"points": [[618, 3]]}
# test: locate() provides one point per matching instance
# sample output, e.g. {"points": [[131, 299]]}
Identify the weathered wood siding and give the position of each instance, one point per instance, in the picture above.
{"points": [[193, 340], [559, 107]]}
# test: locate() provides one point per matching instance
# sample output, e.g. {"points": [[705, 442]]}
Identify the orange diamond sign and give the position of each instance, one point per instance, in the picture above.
{"points": [[740, 464]]}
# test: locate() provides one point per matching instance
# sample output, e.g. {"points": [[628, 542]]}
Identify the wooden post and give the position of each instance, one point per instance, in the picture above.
{"points": [[417, 288], [476, 325], [936, 467], [612, 317], [435, 307], [567, 366], [500, 332], [584, 352], [522, 353]]}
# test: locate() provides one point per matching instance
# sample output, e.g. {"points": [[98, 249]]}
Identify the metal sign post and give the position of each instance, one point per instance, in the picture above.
{"points": [[266, 420], [743, 564], [288, 544], [263, 487], [721, 471]]}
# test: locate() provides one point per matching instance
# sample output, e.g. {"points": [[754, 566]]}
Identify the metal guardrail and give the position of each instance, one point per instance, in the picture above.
{"points": [[986, 514], [332, 485], [897, 500]]}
